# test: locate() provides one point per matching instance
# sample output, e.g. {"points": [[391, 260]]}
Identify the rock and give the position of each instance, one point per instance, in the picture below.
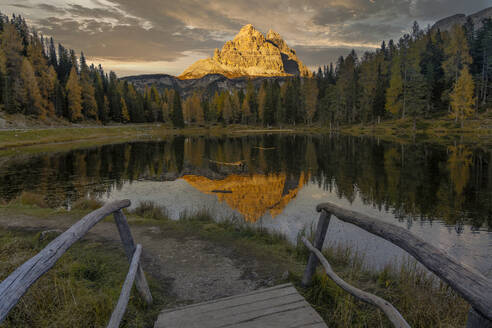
{"points": [[447, 23], [285, 275], [3, 123], [250, 53]]}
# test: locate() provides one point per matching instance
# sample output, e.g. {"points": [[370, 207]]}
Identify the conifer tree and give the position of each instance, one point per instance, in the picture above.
{"points": [[177, 113], [74, 97], [227, 114], [262, 103], [245, 111], [394, 94], [462, 99], [31, 97], [310, 92], [457, 53], [125, 116]]}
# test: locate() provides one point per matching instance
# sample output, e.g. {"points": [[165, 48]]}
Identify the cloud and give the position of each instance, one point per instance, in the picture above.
{"points": [[166, 31]]}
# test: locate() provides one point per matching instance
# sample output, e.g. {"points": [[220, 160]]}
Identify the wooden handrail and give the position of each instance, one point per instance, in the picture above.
{"points": [[391, 312], [18, 282], [120, 308], [475, 288]]}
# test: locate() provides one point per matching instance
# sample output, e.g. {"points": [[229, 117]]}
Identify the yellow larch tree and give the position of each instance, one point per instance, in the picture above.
{"points": [[462, 96]]}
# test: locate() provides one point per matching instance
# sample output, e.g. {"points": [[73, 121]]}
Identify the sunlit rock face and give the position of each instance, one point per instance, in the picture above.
{"points": [[250, 53], [252, 196]]}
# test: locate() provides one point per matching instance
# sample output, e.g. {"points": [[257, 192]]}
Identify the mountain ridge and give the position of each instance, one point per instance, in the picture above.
{"points": [[447, 23], [251, 54]]}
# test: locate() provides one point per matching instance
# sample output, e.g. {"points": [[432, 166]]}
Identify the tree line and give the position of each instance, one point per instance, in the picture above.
{"points": [[425, 74], [418, 181], [42, 80]]}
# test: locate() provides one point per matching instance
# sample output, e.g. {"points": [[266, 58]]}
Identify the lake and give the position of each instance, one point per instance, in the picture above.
{"points": [[442, 194]]}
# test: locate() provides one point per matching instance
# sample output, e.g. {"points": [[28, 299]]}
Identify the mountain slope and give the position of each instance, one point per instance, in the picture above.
{"points": [[207, 84], [445, 24], [250, 53]]}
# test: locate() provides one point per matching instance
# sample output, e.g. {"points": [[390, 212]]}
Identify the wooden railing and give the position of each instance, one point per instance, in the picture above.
{"points": [[19, 281], [475, 288]]}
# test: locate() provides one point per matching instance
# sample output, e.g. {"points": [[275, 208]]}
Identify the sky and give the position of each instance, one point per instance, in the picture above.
{"points": [[165, 36]]}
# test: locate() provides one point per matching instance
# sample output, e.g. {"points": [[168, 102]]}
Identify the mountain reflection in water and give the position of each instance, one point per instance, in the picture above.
{"points": [[442, 194], [252, 196]]}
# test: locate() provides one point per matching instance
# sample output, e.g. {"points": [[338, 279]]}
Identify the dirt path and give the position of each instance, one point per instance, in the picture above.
{"points": [[196, 270]]}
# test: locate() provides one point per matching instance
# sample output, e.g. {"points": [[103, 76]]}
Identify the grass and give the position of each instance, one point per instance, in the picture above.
{"points": [[84, 276], [96, 135], [423, 299], [440, 129], [81, 290]]}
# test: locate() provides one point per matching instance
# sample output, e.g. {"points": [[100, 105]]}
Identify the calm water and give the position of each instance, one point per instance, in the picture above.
{"points": [[442, 194]]}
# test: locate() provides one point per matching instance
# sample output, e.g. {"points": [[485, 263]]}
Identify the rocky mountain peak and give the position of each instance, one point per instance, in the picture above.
{"points": [[447, 23], [250, 54]]}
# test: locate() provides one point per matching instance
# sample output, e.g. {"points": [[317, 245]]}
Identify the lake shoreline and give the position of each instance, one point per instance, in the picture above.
{"points": [[270, 254], [440, 130]]}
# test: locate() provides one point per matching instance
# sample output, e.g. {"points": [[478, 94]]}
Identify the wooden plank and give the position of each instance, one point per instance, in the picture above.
{"points": [[226, 312], [475, 320], [258, 291], [475, 288], [120, 308], [287, 319], [319, 239], [18, 282], [237, 300], [273, 307], [129, 247], [391, 312]]}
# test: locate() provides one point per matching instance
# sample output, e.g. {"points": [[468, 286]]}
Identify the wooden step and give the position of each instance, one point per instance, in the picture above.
{"points": [[279, 306]]}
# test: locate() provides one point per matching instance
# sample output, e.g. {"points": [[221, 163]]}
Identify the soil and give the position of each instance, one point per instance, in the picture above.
{"points": [[193, 269]]}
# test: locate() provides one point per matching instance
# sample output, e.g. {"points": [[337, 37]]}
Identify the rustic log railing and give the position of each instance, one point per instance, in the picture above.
{"points": [[19, 281], [475, 288]]}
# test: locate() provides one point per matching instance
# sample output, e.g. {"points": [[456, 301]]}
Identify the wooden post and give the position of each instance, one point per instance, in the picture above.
{"points": [[119, 310], [319, 239], [476, 320], [470, 284], [129, 247]]}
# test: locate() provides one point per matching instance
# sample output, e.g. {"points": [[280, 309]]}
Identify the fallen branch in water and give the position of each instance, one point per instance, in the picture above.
{"points": [[239, 163], [222, 191]]}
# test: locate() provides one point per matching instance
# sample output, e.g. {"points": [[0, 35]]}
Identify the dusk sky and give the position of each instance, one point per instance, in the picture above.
{"points": [[165, 36]]}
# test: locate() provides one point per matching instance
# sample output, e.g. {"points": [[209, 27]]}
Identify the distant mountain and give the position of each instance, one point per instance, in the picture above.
{"points": [[460, 19], [207, 84], [250, 53]]}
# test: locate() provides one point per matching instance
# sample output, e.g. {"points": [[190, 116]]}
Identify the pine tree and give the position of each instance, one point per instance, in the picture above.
{"points": [[462, 99], [262, 102], [457, 53], [52, 54], [125, 116], [177, 114], [227, 114], [89, 103], [12, 47], [32, 103], [394, 94], [3, 78], [236, 106], [246, 112], [74, 97], [310, 93], [51, 84]]}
